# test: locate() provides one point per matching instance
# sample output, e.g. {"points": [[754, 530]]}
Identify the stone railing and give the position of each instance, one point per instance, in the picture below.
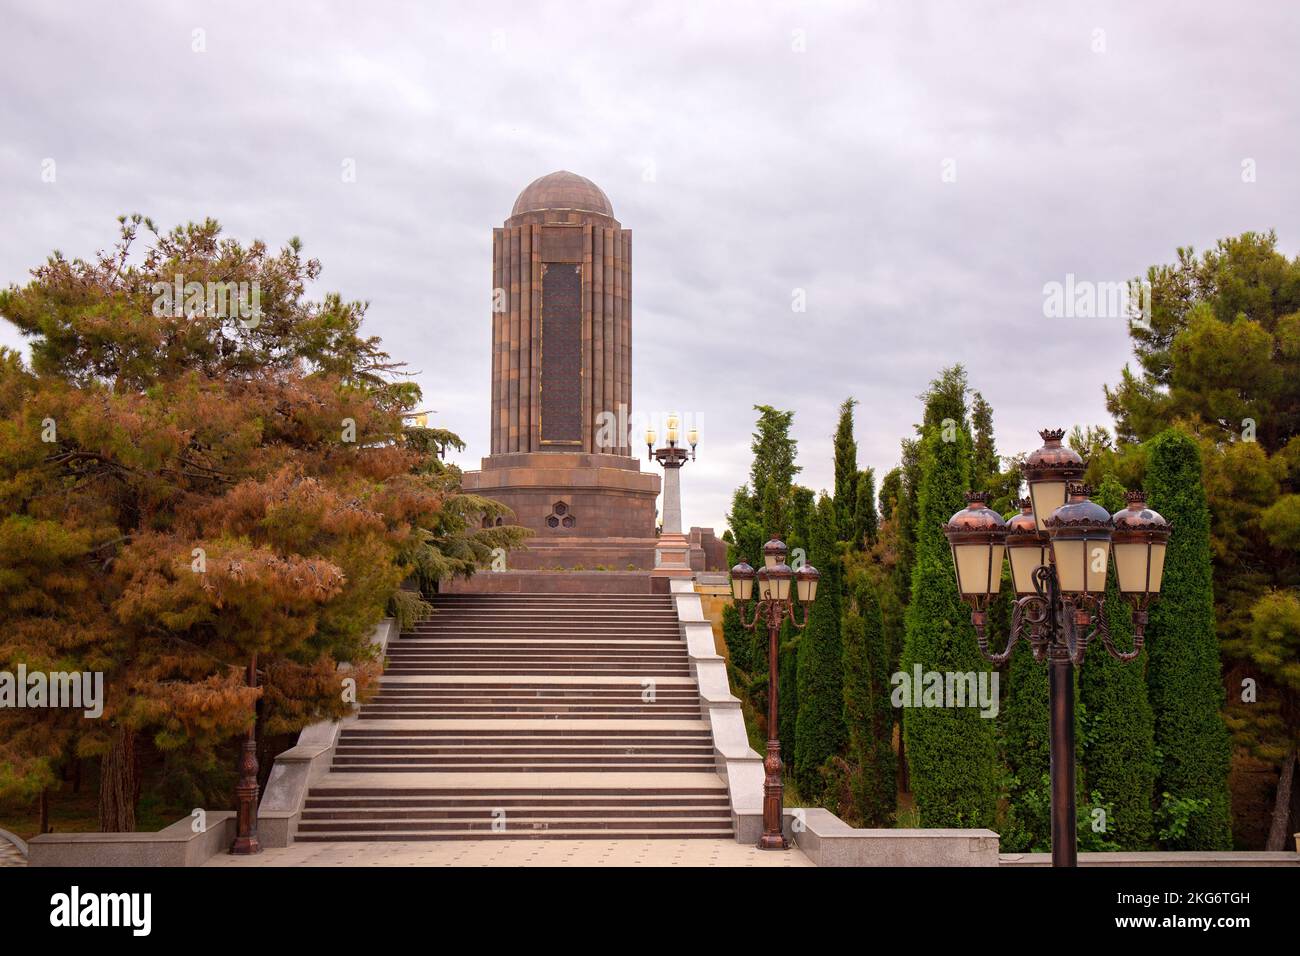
{"points": [[303, 764], [736, 762]]}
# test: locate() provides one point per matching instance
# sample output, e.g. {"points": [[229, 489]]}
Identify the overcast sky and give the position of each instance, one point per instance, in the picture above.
{"points": [[919, 171]]}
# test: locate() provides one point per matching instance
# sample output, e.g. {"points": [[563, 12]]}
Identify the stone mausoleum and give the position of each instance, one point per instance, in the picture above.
{"points": [[561, 373]]}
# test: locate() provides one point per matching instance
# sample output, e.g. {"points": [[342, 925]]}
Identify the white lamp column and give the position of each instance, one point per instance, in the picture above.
{"points": [[673, 552]]}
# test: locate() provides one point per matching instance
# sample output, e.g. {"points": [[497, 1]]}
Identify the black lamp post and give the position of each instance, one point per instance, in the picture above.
{"points": [[773, 605], [1058, 570]]}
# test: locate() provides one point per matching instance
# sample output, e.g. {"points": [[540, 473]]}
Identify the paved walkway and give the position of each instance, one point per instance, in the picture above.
{"points": [[520, 853], [9, 855]]}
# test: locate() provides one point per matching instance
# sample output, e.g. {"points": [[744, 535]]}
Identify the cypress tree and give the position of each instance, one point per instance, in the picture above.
{"points": [[1183, 674], [891, 488], [951, 751], [738, 641], [803, 507], [865, 523], [846, 470], [984, 458], [1026, 743], [772, 472], [787, 678], [1118, 759], [819, 731], [868, 715], [906, 508]]}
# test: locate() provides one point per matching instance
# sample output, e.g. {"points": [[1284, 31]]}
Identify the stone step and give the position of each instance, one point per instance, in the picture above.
{"points": [[533, 705], [548, 833], [661, 707], [475, 804], [482, 747], [531, 725], [576, 652], [701, 759], [529, 670], [559, 692], [394, 765], [516, 715], [473, 817], [720, 822], [508, 736]]}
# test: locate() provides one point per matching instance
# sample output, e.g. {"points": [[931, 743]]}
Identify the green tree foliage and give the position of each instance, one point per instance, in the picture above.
{"points": [[190, 483], [769, 504], [868, 714], [951, 751], [846, 470], [739, 642], [906, 518], [772, 473], [984, 456], [866, 524], [1118, 756], [1183, 675], [788, 644], [891, 489], [819, 732], [1220, 357], [1025, 725]]}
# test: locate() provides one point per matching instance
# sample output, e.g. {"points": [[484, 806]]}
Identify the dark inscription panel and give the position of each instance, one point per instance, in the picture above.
{"points": [[562, 354]]}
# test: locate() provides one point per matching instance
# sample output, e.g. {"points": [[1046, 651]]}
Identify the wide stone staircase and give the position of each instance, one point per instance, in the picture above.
{"points": [[512, 716]]}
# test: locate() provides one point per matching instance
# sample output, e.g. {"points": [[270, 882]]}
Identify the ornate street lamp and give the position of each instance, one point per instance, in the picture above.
{"points": [[672, 553], [1058, 571], [773, 604]]}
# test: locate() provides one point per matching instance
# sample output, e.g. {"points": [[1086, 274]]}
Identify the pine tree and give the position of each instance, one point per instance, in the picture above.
{"points": [[819, 731], [951, 751], [203, 488], [1183, 675]]}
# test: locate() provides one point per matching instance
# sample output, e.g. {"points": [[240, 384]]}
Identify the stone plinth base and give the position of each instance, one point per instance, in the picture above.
{"points": [[672, 557], [586, 511]]}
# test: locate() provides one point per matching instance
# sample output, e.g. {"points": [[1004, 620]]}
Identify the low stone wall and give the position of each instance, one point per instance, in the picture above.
{"points": [[1164, 858], [177, 845], [829, 841]]}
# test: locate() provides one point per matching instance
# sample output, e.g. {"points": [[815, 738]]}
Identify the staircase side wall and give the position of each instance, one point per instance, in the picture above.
{"points": [[736, 762]]}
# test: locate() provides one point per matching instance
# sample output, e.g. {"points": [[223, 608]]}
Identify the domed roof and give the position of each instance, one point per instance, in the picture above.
{"points": [[563, 190]]}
